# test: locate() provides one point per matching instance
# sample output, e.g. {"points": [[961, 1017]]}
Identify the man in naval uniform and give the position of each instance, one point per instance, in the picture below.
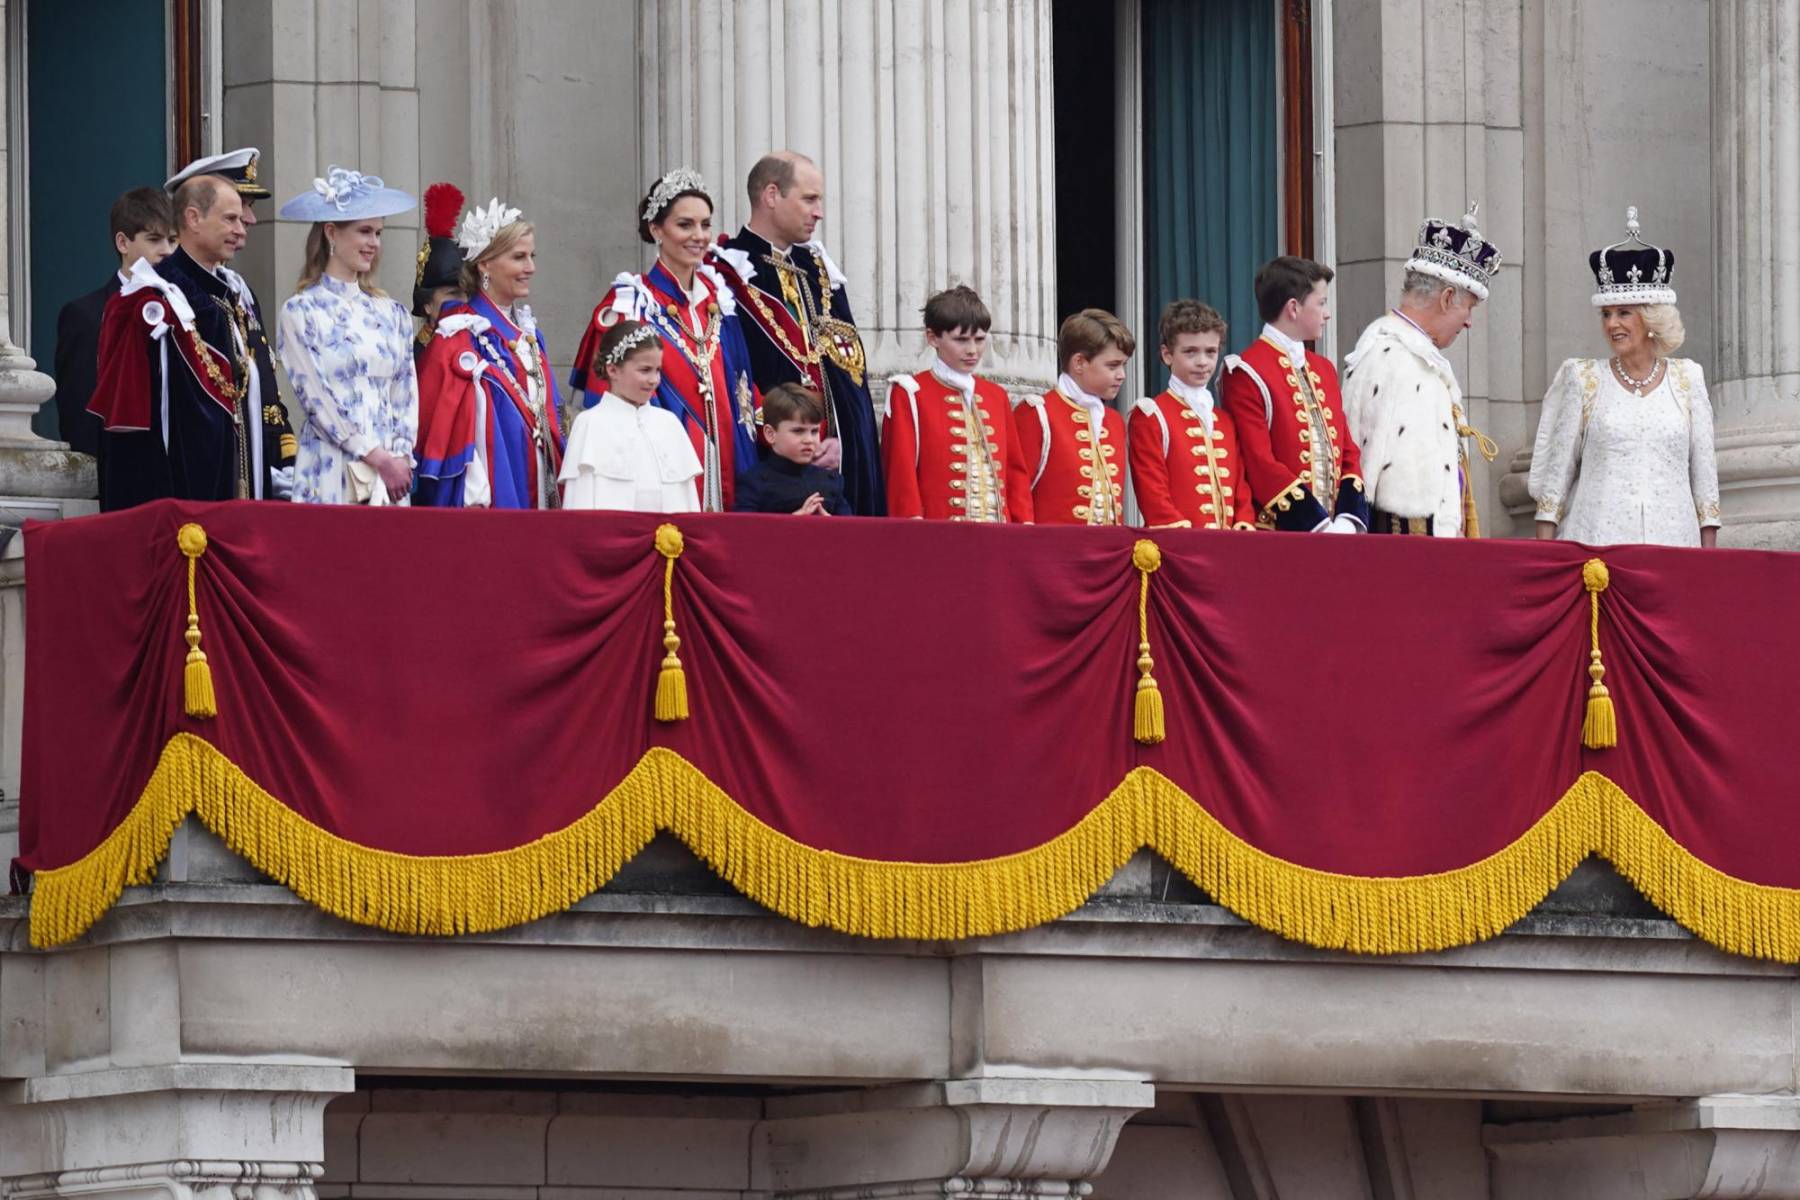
{"points": [[797, 320], [186, 389]]}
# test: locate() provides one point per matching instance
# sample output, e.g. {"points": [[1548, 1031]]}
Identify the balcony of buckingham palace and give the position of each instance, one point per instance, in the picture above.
{"points": [[485, 855]]}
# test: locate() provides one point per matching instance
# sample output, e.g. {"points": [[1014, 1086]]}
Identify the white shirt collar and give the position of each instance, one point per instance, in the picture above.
{"points": [[955, 378], [1072, 390], [1402, 316], [615, 406], [1287, 344], [1197, 398]]}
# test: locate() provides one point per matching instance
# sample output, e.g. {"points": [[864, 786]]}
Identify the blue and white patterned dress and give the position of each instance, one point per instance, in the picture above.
{"points": [[349, 357]]}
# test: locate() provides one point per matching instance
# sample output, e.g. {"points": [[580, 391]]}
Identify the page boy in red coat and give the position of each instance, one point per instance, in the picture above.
{"points": [[1185, 468], [947, 443], [1072, 437], [1304, 469]]}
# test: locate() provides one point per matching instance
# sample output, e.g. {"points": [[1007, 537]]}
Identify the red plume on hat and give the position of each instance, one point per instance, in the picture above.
{"points": [[440, 258], [443, 204]]}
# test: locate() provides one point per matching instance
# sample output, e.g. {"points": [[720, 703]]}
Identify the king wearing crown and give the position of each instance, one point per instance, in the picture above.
{"points": [[1401, 395]]}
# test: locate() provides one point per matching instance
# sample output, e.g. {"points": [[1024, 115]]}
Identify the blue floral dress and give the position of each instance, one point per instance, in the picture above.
{"points": [[349, 357]]}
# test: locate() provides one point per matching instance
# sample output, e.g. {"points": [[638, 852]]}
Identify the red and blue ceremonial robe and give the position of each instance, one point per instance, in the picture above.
{"points": [[701, 335], [482, 442]]}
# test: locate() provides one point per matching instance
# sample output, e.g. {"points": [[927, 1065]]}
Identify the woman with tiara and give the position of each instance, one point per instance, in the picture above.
{"points": [[1624, 448], [490, 434], [706, 367]]}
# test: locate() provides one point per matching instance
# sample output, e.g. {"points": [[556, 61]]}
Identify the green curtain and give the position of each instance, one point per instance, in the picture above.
{"points": [[1210, 160], [99, 101]]}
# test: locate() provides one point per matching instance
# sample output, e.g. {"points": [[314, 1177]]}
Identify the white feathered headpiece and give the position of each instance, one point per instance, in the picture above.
{"points": [[480, 224]]}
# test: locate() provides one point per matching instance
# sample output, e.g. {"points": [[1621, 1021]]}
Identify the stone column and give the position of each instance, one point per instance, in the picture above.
{"points": [[1756, 268], [312, 83], [951, 1140], [931, 123], [182, 1132], [1744, 1146]]}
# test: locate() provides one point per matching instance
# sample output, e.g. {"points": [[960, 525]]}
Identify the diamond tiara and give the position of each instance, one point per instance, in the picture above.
{"points": [[681, 179], [631, 341]]}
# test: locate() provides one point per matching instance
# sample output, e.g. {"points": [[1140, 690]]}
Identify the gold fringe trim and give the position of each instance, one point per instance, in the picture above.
{"points": [[481, 892]]}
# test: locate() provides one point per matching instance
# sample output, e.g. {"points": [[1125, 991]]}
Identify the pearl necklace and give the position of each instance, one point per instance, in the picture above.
{"points": [[1637, 386]]}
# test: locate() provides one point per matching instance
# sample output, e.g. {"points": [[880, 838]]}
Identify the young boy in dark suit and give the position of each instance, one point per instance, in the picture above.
{"points": [[786, 481], [143, 226]]}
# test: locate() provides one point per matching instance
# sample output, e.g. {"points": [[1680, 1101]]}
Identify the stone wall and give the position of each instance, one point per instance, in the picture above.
{"points": [[533, 101], [932, 124]]}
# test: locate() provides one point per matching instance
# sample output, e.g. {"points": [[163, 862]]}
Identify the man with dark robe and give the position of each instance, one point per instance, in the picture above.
{"points": [[185, 392], [796, 317]]}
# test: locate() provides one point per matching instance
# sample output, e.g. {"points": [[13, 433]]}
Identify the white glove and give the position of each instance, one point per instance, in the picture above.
{"points": [[281, 482], [1340, 524]]}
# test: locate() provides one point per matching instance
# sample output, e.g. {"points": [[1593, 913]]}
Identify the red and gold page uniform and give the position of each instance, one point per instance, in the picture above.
{"points": [[1301, 462], [1185, 466], [949, 451], [1074, 453]]}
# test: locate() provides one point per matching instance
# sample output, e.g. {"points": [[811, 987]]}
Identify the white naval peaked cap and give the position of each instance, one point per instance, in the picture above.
{"points": [[239, 166]]}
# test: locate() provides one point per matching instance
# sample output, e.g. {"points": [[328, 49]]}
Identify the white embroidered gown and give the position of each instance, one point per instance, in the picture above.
{"points": [[349, 357], [1613, 467]]}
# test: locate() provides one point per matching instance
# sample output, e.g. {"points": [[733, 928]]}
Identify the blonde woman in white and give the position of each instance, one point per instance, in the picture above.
{"points": [[1624, 448]]}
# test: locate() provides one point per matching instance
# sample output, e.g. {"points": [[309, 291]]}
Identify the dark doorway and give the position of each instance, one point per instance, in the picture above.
{"points": [[1212, 164], [97, 112], [1082, 34]]}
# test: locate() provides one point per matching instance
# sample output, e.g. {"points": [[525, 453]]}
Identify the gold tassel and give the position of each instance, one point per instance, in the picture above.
{"points": [[671, 681], [196, 676], [1600, 727], [1147, 713]]}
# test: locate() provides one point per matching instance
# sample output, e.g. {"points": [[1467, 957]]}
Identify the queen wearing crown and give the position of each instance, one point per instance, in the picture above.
{"points": [[1401, 395], [684, 297], [1624, 449], [489, 430]]}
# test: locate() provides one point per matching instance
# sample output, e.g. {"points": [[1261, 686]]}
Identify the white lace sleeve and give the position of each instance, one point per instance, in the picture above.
{"points": [[1703, 465], [1556, 454]]}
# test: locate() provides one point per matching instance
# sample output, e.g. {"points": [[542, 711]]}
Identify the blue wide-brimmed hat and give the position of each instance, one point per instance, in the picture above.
{"points": [[345, 195]]}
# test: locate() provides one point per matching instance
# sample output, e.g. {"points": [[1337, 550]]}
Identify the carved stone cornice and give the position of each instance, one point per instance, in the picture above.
{"points": [[178, 1179]]}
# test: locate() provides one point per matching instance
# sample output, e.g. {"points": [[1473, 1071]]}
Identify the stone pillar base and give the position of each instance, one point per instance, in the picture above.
{"points": [[1759, 487], [1720, 1146], [225, 1131], [175, 1181], [1011, 1136]]}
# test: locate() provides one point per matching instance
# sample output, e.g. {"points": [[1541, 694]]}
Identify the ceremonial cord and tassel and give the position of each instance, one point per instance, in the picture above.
{"points": [[1147, 713], [1489, 450], [671, 681], [1599, 728], [196, 676]]}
